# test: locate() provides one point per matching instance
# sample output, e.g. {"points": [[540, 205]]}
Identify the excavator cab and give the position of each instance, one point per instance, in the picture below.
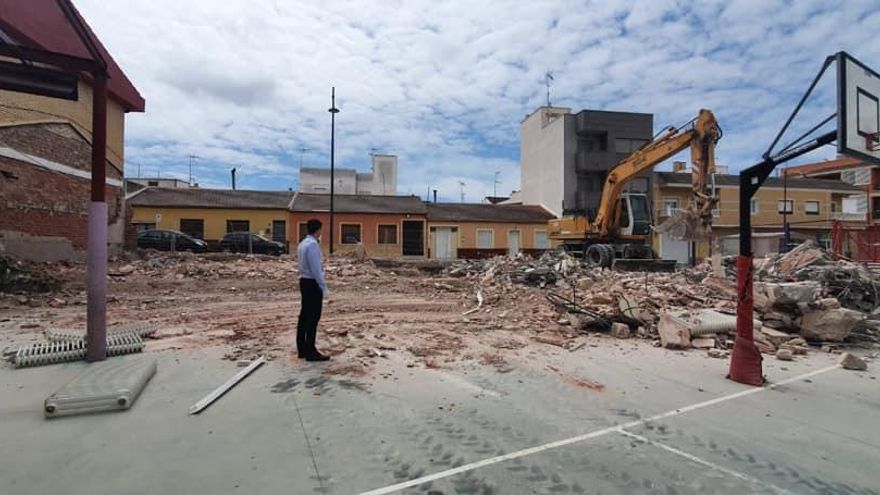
{"points": [[635, 215]]}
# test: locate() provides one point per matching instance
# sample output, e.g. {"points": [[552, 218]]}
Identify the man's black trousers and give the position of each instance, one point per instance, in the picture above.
{"points": [[309, 315]]}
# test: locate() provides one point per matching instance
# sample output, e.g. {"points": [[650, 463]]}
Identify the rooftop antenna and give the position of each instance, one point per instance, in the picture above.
{"points": [[191, 158], [547, 78], [461, 184], [495, 186], [302, 151]]}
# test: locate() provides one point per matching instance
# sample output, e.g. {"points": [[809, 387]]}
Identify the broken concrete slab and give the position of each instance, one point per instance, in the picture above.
{"points": [[781, 294], [703, 342], [775, 337], [850, 361], [833, 325], [674, 332]]}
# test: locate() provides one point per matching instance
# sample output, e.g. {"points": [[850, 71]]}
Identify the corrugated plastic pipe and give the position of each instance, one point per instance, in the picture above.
{"points": [[60, 352], [712, 321]]}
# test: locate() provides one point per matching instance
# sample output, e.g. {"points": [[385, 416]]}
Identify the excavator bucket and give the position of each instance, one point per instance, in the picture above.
{"points": [[686, 225]]}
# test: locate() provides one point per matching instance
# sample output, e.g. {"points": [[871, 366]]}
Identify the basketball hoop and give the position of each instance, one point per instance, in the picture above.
{"points": [[872, 141]]}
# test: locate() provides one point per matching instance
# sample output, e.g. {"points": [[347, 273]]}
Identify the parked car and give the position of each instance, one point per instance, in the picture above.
{"points": [[237, 242], [167, 240]]}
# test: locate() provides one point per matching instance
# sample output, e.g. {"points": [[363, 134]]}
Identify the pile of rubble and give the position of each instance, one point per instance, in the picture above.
{"points": [[802, 297], [852, 284], [211, 266], [21, 276]]}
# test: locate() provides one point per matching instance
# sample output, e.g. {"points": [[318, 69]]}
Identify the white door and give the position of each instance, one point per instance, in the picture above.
{"points": [[671, 249], [444, 243], [513, 242]]}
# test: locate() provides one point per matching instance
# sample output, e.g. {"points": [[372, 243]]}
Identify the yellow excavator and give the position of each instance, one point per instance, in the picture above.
{"points": [[619, 235]]}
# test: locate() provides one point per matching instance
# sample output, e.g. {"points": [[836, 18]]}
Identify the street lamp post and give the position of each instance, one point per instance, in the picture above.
{"points": [[333, 111]]}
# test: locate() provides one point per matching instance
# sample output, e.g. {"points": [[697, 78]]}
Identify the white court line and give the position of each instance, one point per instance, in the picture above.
{"points": [[580, 438], [703, 462]]}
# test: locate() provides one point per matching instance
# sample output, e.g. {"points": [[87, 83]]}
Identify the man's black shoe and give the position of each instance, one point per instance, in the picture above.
{"points": [[317, 356]]}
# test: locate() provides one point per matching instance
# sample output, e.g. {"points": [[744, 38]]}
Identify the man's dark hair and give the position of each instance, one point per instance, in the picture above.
{"points": [[313, 225]]}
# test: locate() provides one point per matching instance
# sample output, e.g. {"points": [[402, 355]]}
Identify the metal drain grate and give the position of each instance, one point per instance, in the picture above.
{"points": [[64, 351], [66, 335], [107, 386]]}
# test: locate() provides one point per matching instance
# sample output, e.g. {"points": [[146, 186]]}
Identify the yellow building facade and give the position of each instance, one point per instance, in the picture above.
{"points": [[811, 205]]}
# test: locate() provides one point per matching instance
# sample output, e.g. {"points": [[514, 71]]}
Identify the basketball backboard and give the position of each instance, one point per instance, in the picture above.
{"points": [[858, 111]]}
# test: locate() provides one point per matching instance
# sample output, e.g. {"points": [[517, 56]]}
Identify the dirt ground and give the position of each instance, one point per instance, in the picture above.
{"points": [[419, 313], [249, 307]]}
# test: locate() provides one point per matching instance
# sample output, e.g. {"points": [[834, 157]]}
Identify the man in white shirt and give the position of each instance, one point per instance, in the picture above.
{"points": [[312, 289]]}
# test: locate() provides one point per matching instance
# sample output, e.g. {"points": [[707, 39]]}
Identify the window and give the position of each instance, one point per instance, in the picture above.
{"points": [[811, 207], [541, 240], [388, 234], [670, 206], [279, 231], [193, 227], [753, 206], [485, 238], [594, 141], [238, 226], [627, 146], [152, 183], [785, 206], [350, 233], [303, 230]]}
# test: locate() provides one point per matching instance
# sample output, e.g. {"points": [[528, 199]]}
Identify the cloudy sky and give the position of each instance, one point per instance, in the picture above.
{"points": [[445, 84]]}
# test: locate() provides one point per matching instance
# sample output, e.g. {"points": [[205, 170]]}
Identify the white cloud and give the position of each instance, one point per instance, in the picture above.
{"points": [[445, 84]]}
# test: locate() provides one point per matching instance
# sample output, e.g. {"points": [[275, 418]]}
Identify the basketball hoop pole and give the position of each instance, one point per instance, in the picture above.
{"points": [[745, 362]]}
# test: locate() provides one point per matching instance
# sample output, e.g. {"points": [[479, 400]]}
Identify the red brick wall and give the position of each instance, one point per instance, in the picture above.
{"points": [[46, 203], [57, 142]]}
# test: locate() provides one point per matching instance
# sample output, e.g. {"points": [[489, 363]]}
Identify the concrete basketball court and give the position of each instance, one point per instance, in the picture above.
{"points": [[595, 421]]}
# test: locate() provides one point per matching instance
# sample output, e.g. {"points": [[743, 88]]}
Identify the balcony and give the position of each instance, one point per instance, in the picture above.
{"points": [[849, 217]]}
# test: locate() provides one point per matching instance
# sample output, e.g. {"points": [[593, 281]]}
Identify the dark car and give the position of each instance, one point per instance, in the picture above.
{"points": [[170, 240], [247, 242]]}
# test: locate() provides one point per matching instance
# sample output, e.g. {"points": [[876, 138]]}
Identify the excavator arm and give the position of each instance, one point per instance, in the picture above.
{"points": [[701, 137]]}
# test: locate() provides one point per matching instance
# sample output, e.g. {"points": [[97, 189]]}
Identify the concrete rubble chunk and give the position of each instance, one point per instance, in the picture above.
{"points": [[829, 303], [703, 342], [775, 337], [717, 353], [798, 350], [805, 254], [773, 317], [674, 332], [833, 325], [724, 286], [781, 294], [784, 355], [620, 330], [850, 361], [763, 343]]}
